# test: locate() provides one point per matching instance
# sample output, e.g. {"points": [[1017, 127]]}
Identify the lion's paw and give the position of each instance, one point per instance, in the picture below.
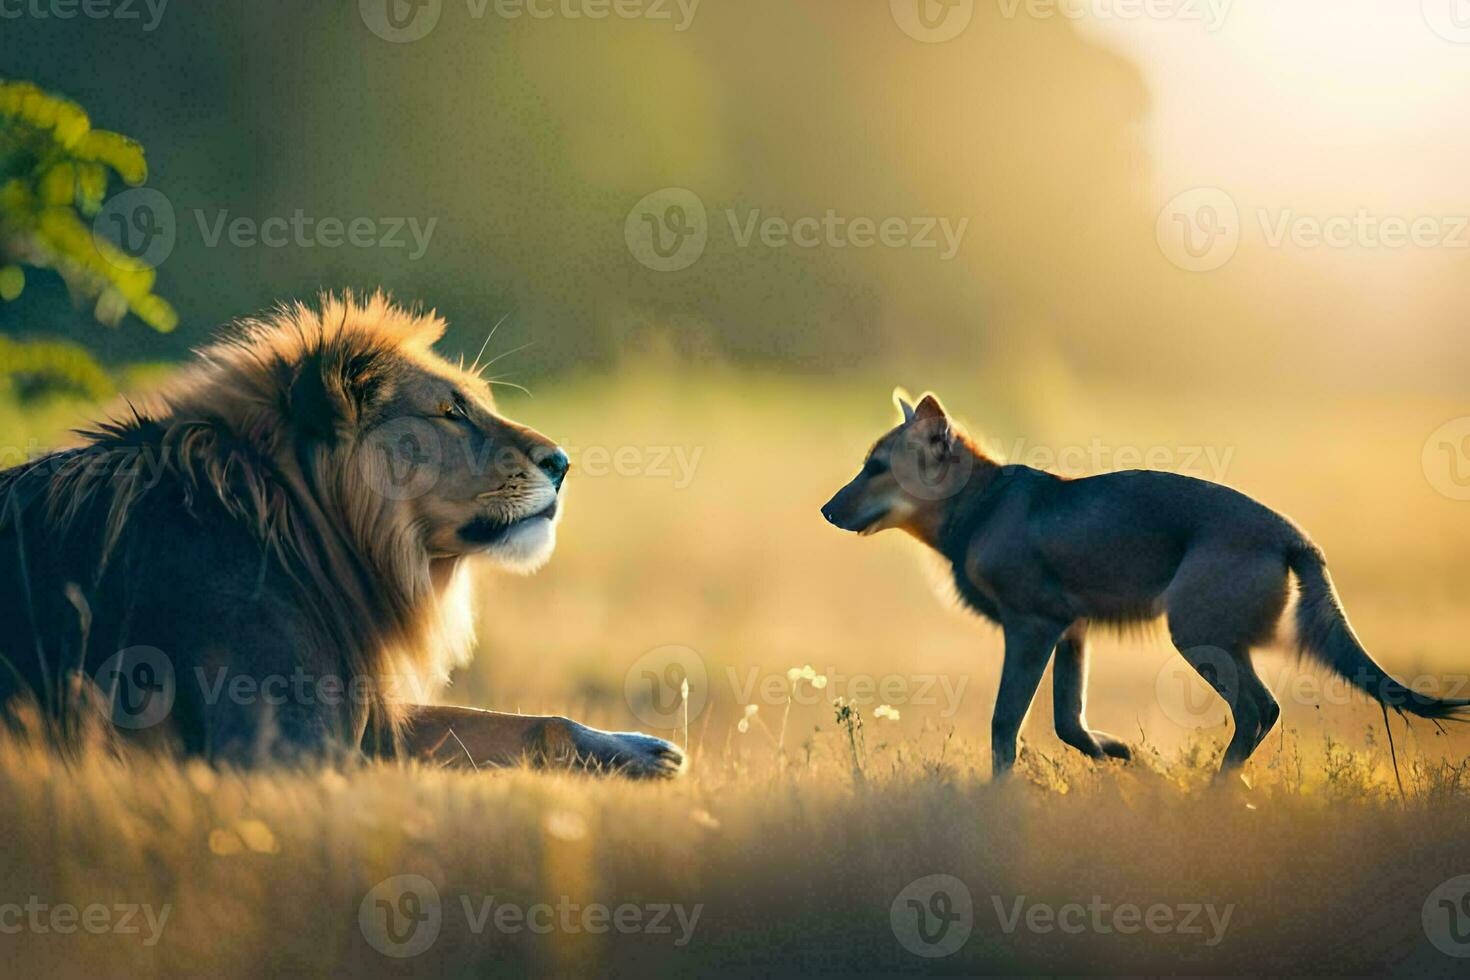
{"points": [[631, 754]]}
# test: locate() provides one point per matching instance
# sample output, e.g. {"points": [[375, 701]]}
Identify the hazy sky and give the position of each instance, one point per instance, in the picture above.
{"points": [[1348, 103], [1145, 182]]}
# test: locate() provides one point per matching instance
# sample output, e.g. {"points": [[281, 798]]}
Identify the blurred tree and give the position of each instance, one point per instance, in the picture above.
{"points": [[34, 366], [54, 171]]}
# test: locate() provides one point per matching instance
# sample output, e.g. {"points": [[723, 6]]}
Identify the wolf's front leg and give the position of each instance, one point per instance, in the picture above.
{"points": [[1029, 644], [471, 738]]}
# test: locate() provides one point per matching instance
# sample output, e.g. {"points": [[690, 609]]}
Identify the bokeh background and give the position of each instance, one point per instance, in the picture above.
{"points": [[1131, 279], [1224, 239], [1059, 130]]}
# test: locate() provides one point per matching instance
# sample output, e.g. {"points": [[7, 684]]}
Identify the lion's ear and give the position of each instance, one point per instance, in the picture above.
{"points": [[313, 406], [327, 394]]}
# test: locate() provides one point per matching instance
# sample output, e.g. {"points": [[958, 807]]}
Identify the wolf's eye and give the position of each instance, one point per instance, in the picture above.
{"points": [[875, 467]]}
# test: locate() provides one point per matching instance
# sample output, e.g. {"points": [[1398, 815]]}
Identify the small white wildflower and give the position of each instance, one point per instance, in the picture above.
{"points": [[886, 711]]}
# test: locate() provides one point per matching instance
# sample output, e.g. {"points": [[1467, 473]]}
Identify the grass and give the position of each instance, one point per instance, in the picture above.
{"points": [[794, 837], [790, 869]]}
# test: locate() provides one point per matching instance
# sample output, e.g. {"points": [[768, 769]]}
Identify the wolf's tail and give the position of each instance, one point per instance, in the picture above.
{"points": [[1324, 634]]}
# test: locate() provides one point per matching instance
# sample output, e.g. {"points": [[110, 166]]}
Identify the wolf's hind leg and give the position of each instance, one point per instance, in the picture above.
{"points": [[1221, 603], [1268, 707], [1069, 699], [1233, 676]]}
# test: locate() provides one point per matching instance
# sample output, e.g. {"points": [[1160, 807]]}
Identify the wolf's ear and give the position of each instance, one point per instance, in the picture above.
{"points": [[902, 403], [935, 421], [929, 408]]}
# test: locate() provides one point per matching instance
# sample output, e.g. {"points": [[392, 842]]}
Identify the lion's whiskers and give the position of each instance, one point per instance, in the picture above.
{"points": [[486, 344], [499, 357]]}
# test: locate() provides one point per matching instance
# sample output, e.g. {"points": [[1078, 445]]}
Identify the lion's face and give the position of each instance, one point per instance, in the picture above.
{"points": [[473, 481]]}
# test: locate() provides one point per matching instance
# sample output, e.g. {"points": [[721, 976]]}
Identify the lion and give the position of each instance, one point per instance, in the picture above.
{"points": [[269, 561]]}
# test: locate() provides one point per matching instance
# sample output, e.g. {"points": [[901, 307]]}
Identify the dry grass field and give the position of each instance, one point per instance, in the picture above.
{"points": [[798, 843]]}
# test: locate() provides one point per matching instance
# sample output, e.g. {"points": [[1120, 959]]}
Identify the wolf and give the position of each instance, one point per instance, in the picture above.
{"points": [[1048, 558]]}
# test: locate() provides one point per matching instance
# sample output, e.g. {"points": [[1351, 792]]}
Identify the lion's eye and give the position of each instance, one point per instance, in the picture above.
{"points": [[454, 410]]}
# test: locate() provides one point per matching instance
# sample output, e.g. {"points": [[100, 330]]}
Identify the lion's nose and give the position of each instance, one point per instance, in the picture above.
{"points": [[554, 464]]}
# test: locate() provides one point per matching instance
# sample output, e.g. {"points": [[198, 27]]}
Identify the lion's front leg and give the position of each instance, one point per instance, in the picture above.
{"points": [[474, 738]]}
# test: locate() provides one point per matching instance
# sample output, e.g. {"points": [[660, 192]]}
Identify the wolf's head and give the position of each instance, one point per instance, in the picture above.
{"points": [[909, 476]]}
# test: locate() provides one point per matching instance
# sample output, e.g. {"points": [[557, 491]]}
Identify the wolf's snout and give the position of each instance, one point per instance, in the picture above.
{"points": [[836, 512], [830, 509]]}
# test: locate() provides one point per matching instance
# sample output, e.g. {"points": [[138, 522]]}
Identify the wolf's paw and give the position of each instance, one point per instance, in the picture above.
{"points": [[630, 754], [1112, 747]]}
